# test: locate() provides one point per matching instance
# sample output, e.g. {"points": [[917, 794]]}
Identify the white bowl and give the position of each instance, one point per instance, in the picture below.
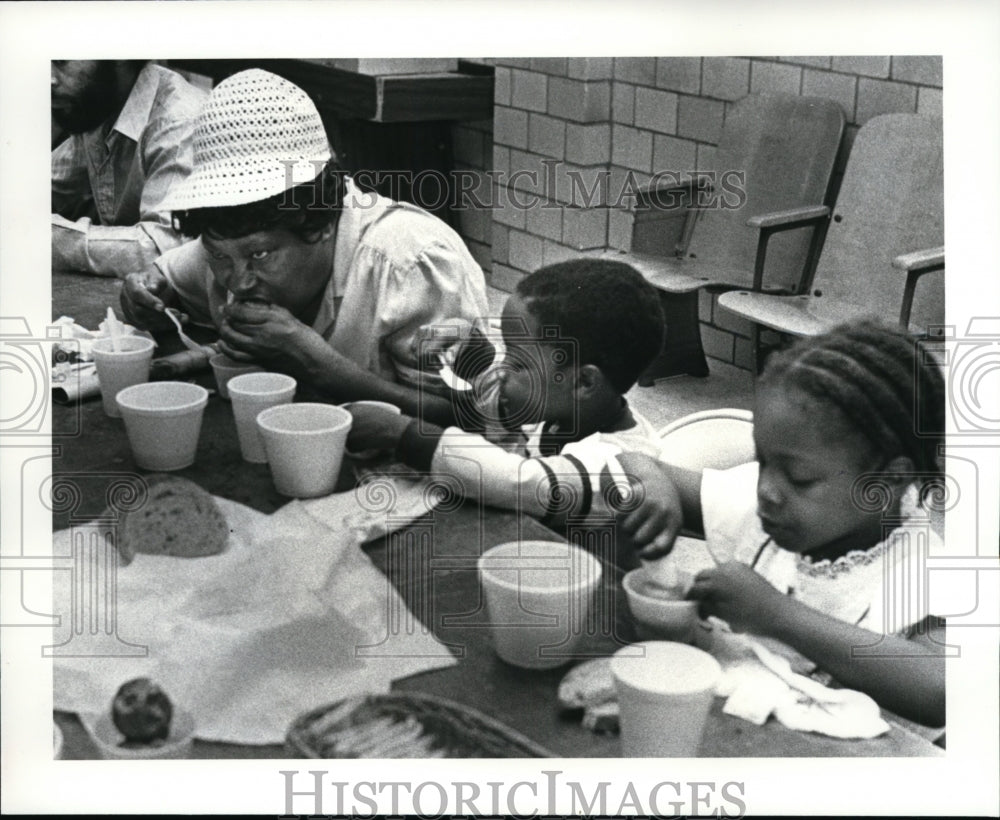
{"points": [[108, 739], [659, 614]]}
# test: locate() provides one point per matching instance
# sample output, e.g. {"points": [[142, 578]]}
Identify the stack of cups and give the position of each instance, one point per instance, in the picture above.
{"points": [[251, 393], [665, 691], [121, 362]]}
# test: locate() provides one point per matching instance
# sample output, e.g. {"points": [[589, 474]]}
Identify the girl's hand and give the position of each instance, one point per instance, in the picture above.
{"points": [[651, 525], [375, 428], [735, 593]]}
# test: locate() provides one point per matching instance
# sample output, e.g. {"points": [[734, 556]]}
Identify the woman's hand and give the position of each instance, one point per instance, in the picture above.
{"points": [[735, 593], [653, 520], [271, 335], [375, 428], [144, 298]]}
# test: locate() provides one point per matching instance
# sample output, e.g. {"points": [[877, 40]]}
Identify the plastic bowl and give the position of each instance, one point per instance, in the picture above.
{"points": [[658, 614], [108, 739]]}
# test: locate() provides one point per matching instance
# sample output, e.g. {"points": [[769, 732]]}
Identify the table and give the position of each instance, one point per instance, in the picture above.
{"points": [[442, 586]]}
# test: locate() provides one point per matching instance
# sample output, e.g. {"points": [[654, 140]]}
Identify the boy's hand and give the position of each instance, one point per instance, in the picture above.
{"points": [[653, 521], [144, 298], [375, 428], [735, 593]]}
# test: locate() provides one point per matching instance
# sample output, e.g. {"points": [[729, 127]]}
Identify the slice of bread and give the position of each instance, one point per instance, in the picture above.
{"points": [[179, 518], [587, 684]]}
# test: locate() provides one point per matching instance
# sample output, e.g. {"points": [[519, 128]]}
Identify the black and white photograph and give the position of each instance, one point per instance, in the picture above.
{"points": [[485, 410]]}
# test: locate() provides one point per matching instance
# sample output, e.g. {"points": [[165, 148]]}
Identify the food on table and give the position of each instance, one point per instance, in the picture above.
{"points": [[337, 735], [590, 686], [179, 518], [142, 712]]}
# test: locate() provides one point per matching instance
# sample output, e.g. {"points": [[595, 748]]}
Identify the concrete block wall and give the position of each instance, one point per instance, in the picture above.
{"points": [[571, 137]]}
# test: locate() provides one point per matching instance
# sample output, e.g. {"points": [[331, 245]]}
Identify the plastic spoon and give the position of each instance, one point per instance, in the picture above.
{"points": [[114, 330], [188, 342]]}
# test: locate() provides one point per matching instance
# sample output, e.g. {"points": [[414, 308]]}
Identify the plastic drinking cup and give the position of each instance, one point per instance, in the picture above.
{"points": [[163, 422], [665, 692], [250, 393], [225, 369], [538, 595], [305, 446], [118, 369]]}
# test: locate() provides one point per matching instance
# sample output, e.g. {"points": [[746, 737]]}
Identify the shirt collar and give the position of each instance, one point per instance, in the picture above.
{"points": [[135, 113]]}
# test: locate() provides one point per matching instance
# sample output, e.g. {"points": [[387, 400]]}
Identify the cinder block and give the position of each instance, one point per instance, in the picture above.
{"points": [[501, 243], [884, 97], [768, 77], [468, 146], [843, 88], [527, 173], [579, 101], [501, 161], [471, 188], [673, 154], [706, 302], [550, 65], [525, 251], [867, 66], [679, 74], [706, 158], [514, 62], [585, 228], [545, 219], [656, 110], [925, 70], [725, 78], [510, 127], [727, 320], [588, 144], [581, 186], [623, 103], [481, 253], [501, 86], [929, 102], [591, 68], [474, 223], [717, 344], [632, 148], [528, 90], [547, 135], [506, 211], [814, 62], [504, 277], [624, 185], [554, 252], [620, 221], [700, 119], [638, 70]]}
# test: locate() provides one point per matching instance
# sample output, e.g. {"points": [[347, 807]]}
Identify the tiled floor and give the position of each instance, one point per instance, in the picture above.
{"points": [[670, 399]]}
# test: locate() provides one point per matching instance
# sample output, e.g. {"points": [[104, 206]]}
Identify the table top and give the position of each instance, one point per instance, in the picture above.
{"points": [[441, 588]]}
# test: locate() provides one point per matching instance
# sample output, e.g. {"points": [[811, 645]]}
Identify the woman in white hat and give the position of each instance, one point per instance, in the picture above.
{"points": [[298, 268]]}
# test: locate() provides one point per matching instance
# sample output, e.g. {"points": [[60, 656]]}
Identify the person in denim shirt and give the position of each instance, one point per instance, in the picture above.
{"points": [[129, 126], [298, 268]]}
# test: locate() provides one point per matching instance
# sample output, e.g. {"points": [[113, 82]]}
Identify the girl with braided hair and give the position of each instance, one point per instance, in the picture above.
{"points": [[816, 542]]}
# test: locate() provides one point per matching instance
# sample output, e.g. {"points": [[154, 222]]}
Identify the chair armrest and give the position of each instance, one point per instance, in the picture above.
{"points": [[915, 265], [777, 221], [679, 181], [920, 261], [792, 218]]}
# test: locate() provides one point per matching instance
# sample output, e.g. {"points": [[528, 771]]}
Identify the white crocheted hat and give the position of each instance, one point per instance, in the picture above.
{"points": [[257, 136]]}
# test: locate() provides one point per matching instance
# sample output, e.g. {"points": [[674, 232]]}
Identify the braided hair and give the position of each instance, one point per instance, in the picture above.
{"points": [[880, 382]]}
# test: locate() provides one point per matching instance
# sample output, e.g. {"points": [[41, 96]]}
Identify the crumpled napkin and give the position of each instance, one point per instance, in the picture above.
{"points": [[292, 615], [758, 683]]}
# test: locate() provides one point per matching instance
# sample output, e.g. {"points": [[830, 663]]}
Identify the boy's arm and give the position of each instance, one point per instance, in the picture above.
{"points": [[670, 499]]}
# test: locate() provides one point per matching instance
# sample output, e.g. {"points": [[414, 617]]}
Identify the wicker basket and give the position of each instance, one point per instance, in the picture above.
{"points": [[443, 728]]}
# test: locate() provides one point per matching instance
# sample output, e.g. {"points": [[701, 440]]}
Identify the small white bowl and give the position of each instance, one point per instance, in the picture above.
{"points": [[659, 614], [108, 739]]}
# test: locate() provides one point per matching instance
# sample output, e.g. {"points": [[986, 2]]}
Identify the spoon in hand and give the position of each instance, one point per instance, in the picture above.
{"points": [[187, 341]]}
